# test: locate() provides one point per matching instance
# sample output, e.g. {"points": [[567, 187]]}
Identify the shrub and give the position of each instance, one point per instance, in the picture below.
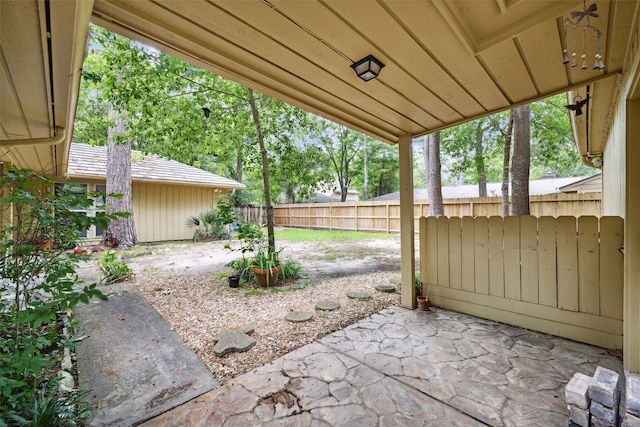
{"points": [[38, 286], [114, 269]]}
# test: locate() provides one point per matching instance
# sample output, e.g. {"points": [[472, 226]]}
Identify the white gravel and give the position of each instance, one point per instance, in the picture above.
{"points": [[199, 305]]}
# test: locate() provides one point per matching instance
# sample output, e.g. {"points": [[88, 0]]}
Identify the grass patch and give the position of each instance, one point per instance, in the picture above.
{"points": [[306, 235]]}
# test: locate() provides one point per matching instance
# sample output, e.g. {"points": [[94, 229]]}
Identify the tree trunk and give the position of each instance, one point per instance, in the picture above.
{"points": [[480, 167], [239, 162], [366, 169], [434, 177], [121, 232], [505, 166], [425, 145], [265, 173], [521, 160]]}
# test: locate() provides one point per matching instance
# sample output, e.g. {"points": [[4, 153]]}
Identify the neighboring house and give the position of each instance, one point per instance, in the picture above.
{"points": [[165, 193], [333, 197], [494, 189]]}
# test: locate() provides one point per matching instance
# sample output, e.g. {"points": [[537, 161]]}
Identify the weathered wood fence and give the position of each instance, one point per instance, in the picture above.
{"points": [[562, 276], [385, 216]]}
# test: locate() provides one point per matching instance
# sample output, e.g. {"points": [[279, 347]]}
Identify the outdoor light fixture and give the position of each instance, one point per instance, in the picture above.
{"points": [[367, 68]]}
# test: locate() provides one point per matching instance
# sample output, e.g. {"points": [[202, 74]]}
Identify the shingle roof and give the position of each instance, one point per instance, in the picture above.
{"points": [[494, 189], [86, 161]]}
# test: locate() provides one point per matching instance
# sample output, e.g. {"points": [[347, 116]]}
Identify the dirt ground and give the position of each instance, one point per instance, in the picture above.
{"points": [[319, 259], [187, 284]]}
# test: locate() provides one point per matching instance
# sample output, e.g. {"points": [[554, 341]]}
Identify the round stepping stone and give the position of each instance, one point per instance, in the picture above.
{"points": [[327, 305], [299, 316], [359, 295], [385, 288]]}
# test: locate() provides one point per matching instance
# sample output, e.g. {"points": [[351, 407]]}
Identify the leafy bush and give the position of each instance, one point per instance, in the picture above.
{"points": [[114, 269], [38, 286], [289, 269]]}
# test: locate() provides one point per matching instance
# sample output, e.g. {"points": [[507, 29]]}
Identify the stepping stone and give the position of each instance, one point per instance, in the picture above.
{"points": [[233, 340], [385, 288], [327, 305], [299, 316], [363, 296]]}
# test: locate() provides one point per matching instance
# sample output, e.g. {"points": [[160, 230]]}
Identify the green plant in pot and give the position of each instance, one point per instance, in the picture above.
{"points": [[424, 302], [266, 266]]}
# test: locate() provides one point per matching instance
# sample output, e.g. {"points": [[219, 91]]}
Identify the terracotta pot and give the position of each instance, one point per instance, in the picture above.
{"points": [[266, 277], [45, 243], [423, 303]]}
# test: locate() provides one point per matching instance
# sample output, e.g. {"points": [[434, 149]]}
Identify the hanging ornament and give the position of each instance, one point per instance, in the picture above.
{"points": [[582, 19]]}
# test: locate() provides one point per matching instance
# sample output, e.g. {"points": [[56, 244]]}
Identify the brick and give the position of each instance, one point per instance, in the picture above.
{"points": [[597, 422], [579, 416], [630, 421], [605, 386], [576, 393], [608, 415], [632, 393]]}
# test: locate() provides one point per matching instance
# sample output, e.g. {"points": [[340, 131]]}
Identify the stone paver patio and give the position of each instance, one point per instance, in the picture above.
{"points": [[405, 367]]}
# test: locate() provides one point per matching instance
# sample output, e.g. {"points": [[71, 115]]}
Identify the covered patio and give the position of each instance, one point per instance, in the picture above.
{"points": [[446, 62], [405, 367]]}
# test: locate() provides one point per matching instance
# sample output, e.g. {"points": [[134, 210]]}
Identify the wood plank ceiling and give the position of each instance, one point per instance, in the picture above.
{"points": [[446, 62]]}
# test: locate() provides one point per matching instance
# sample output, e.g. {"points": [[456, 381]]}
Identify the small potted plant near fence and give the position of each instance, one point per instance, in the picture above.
{"points": [[424, 302]]}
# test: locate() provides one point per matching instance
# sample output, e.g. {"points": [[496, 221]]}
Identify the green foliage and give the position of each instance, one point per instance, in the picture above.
{"points": [[114, 269], [289, 269], [37, 285], [53, 408]]}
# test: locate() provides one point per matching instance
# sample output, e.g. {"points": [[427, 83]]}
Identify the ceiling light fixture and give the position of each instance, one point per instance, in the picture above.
{"points": [[367, 68]]}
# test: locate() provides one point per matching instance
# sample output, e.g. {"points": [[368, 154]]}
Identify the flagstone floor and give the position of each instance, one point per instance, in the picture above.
{"points": [[405, 367]]}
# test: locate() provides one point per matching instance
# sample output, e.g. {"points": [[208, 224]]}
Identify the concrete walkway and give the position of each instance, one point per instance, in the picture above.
{"points": [[131, 363], [404, 367]]}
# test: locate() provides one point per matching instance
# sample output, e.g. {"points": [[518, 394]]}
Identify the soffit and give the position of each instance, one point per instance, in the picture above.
{"points": [[446, 61]]}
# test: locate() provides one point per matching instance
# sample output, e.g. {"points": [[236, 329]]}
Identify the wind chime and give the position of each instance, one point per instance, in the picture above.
{"points": [[581, 20]]}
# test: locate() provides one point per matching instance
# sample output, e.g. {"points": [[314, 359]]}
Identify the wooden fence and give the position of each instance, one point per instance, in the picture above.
{"points": [[385, 216], [562, 276]]}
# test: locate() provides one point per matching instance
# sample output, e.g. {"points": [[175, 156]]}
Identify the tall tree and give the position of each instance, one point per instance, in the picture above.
{"points": [[436, 207], [479, 159], [340, 145], [521, 160], [366, 168], [120, 233], [506, 168]]}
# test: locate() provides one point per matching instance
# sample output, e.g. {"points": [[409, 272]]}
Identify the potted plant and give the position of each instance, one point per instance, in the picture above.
{"points": [[424, 302], [266, 266], [242, 268]]}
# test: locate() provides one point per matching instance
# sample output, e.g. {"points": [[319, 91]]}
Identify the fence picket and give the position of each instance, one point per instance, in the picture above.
{"points": [[567, 263], [611, 266], [496, 256], [511, 231], [432, 252], [529, 258], [455, 253], [481, 252], [547, 262], [443, 251], [468, 250]]}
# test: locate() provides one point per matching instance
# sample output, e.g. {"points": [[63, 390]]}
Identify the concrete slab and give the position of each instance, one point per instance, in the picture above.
{"points": [[133, 365]]}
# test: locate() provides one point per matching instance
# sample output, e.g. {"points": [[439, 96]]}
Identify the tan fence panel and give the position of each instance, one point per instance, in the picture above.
{"points": [[496, 256], [443, 251], [455, 253], [529, 258], [508, 270], [468, 250], [611, 266], [547, 261], [384, 216], [588, 265], [567, 263], [481, 248], [511, 231]]}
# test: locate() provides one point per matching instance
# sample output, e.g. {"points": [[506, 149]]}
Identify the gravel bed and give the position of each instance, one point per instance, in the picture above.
{"points": [[199, 305]]}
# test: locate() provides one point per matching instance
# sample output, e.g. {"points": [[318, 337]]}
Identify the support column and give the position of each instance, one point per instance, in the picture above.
{"points": [[631, 307], [407, 236]]}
